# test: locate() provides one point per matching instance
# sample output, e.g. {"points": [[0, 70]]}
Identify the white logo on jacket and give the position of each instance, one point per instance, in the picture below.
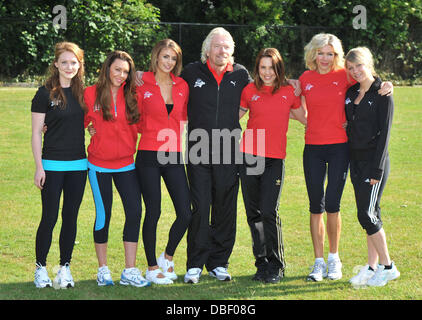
{"points": [[199, 83], [233, 83], [348, 100], [147, 95], [308, 87], [370, 103]]}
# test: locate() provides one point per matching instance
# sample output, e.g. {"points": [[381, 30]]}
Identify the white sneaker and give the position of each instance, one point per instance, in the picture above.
{"points": [[193, 275], [361, 279], [152, 275], [334, 269], [319, 271], [41, 277], [133, 277], [64, 278], [165, 265], [382, 276], [220, 273], [104, 277]]}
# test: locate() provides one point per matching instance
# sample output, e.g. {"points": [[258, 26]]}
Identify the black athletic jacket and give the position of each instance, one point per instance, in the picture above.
{"points": [[368, 126], [213, 106]]}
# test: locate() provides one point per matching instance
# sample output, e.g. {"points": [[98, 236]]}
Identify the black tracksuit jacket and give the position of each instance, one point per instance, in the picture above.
{"points": [[368, 126], [213, 106]]}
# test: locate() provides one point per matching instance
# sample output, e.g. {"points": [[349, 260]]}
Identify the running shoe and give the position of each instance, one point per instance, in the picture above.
{"points": [[220, 273], [165, 265], [41, 277], [383, 275], [362, 278], [133, 277], [193, 275], [334, 269], [104, 277], [319, 271], [64, 278]]}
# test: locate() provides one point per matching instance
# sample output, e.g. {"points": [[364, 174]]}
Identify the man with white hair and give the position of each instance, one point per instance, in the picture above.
{"points": [[215, 87]]}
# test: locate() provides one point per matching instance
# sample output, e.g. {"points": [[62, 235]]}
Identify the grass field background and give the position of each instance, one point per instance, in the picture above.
{"points": [[20, 211]]}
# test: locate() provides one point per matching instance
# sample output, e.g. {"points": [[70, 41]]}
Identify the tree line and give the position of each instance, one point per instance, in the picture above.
{"points": [[391, 29]]}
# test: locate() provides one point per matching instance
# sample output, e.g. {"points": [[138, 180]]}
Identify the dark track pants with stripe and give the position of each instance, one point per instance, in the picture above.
{"points": [[368, 196], [211, 241], [261, 196], [127, 185], [72, 183]]}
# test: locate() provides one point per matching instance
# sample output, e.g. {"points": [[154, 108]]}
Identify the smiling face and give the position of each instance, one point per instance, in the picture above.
{"points": [[359, 71], [325, 59], [68, 65], [166, 60], [266, 71], [220, 52], [119, 71]]}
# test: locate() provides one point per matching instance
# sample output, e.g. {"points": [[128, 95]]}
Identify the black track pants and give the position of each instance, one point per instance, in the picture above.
{"points": [[261, 196], [368, 196], [214, 190]]}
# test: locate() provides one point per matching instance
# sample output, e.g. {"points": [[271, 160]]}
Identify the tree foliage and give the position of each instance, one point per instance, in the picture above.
{"points": [[98, 26]]}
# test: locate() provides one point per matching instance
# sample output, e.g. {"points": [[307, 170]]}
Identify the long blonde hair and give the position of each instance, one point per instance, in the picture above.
{"points": [[77, 83], [317, 42]]}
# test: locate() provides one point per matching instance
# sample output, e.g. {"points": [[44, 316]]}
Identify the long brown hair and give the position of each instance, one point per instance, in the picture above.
{"points": [[77, 83], [160, 45], [278, 65], [103, 84]]}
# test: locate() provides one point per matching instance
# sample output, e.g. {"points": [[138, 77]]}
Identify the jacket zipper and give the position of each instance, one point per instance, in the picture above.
{"points": [[218, 105]]}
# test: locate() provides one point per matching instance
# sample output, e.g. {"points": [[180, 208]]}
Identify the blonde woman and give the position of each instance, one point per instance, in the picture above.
{"points": [[369, 116], [326, 152], [61, 164]]}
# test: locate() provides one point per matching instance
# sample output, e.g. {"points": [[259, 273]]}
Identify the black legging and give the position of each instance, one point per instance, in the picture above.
{"points": [[175, 179], [72, 183]]}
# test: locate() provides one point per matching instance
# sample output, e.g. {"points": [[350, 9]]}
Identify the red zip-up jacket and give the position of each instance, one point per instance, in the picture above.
{"points": [[114, 142], [159, 130]]}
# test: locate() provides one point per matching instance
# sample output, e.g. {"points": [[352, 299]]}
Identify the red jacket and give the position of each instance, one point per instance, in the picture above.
{"points": [[159, 130], [114, 142]]}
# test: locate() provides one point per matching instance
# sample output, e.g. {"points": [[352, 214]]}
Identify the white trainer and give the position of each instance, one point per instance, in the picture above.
{"points": [[220, 273], [64, 278], [382, 275], [165, 265], [41, 278], [361, 279], [133, 277], [104, 277], [152, 275], [334, 269], [319, 271], [193, 275]]}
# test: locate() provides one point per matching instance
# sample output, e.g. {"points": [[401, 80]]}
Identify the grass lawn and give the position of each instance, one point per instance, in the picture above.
{"points": [[20, 211]]}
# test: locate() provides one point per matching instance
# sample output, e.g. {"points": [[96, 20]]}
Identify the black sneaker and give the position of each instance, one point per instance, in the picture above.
{"points": [[274, 276], [261, 274]]}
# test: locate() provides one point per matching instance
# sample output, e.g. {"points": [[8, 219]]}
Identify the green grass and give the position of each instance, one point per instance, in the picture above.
{"points": [[20, 210]]}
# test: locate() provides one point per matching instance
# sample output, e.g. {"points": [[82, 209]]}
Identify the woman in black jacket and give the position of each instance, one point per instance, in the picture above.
{"points": [[369, 117]]}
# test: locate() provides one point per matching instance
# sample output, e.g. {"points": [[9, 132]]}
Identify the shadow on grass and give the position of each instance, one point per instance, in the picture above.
{"points": [[240, 288]]}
